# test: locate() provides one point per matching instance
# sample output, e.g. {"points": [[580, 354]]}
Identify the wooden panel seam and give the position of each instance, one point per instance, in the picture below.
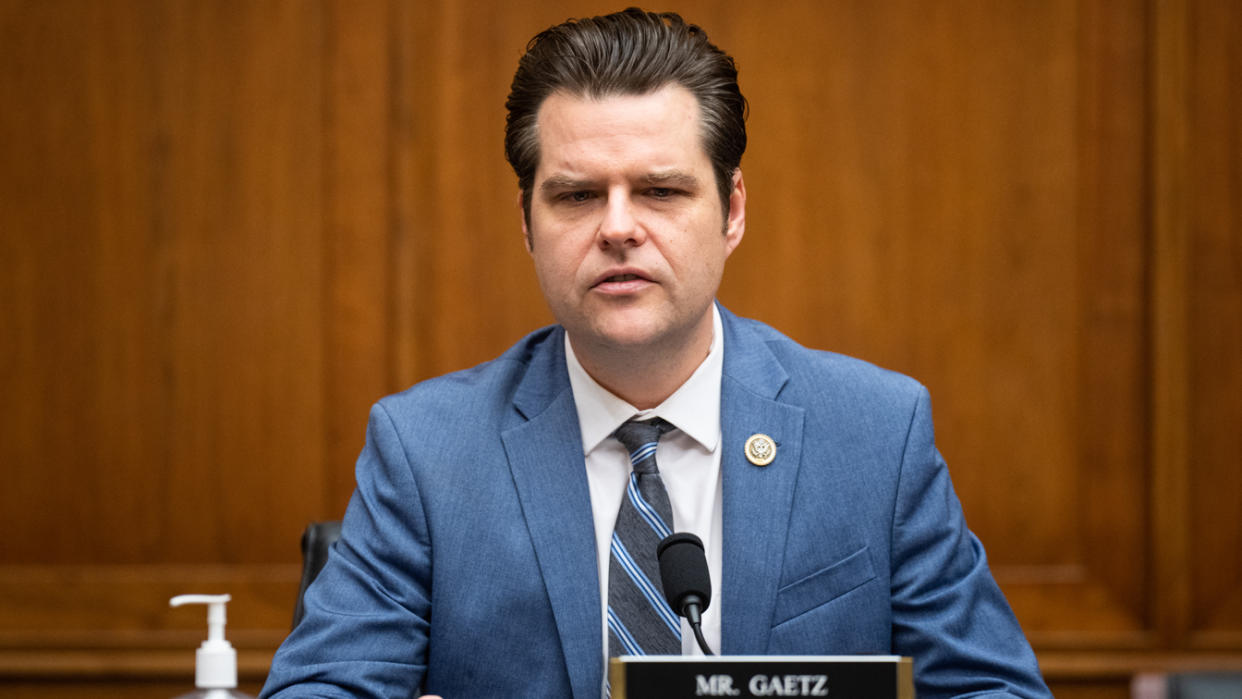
{"points": [[1169, 372]]}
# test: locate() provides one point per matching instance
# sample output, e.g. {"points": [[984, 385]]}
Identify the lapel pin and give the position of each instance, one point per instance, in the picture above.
{"points": [[760, 449]]}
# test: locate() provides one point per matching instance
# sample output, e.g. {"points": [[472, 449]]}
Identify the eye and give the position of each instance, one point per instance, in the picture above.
{"points": [[661, 192], [577, 197]]}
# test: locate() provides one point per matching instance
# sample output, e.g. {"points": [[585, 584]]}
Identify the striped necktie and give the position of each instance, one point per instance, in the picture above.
{"points": [[640, 622]]}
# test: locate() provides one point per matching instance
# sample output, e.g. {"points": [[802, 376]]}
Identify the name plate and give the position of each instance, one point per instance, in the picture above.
{"points": [[836, 676]]}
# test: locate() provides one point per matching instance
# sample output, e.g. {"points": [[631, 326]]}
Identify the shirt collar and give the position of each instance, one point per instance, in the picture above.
{"points": [[694, 407]]}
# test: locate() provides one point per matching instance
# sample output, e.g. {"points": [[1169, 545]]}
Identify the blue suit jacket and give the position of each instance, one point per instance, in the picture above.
{"points": [[467, 563]]}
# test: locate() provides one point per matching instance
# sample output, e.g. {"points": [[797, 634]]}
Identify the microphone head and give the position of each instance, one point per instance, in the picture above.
{"points": [[683, 570]]}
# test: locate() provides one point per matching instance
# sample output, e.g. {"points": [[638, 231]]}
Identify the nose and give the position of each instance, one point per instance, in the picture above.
{"points": [[619, 227]]}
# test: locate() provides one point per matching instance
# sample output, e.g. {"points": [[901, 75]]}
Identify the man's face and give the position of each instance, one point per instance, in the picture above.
{"points": [[626, 227]]}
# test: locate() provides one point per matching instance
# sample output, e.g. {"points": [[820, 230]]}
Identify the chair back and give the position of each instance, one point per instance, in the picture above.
{"points": [[317, 541]]}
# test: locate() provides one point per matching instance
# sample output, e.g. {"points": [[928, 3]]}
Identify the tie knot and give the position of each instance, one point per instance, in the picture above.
{"points": [[640, 439]]}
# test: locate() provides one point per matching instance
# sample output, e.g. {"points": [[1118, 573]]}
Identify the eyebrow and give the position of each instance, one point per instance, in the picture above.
{"points": [[672, 178], [563, 182]]}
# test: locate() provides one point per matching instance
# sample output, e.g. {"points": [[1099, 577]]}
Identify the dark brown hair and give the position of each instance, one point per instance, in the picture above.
{"points": [[626, 53]]}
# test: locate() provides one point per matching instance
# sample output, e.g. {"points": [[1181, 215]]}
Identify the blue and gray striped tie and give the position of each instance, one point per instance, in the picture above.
{"points": [[640, 622]]}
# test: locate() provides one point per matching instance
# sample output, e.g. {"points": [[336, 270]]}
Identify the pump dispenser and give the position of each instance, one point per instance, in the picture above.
{"points": [[215, 668]]}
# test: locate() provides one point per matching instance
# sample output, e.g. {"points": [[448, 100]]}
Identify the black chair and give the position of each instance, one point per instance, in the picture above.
{"points": [[316, 542]]}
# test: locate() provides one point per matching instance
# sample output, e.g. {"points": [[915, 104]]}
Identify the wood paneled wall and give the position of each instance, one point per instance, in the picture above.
{"points": [[227, 227]]}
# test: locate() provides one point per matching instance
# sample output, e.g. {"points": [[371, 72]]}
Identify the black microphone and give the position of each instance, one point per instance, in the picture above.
{"points": [[687, 584]]}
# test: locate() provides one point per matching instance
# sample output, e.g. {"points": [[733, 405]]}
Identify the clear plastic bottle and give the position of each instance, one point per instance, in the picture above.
{"points": [[215, 665]]}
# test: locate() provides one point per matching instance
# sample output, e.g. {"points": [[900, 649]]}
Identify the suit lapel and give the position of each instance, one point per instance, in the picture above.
{"points": [[545, 458], [757, 500]]}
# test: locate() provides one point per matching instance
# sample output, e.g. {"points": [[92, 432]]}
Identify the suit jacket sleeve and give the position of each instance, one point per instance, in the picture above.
{"points": [[366, 626], [948, 613]]}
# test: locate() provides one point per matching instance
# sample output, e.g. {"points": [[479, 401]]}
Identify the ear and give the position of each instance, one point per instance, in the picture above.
{"points": [[735, 225], [525, 228]]}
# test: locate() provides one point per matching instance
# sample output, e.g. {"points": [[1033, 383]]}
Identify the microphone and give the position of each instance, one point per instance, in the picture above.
{"points": [[687, 584]]}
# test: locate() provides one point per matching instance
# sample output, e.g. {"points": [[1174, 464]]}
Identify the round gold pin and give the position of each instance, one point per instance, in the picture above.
{"points": [[760, 449]]}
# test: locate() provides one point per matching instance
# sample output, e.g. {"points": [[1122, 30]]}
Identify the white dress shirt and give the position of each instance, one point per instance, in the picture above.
{"points": [[689, 462]]}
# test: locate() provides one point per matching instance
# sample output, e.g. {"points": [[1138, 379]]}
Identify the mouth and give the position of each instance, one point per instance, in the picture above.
{"points": [[620, 279]]}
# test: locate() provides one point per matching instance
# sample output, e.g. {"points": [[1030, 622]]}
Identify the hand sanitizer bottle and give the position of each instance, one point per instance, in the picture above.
{"points": [[215, 667]]}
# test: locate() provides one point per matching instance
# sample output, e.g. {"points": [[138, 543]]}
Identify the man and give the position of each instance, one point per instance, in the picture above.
{"points": [[479, 554]]}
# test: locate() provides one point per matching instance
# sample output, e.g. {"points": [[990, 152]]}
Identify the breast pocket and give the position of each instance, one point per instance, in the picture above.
{"points": [[823, 586]]}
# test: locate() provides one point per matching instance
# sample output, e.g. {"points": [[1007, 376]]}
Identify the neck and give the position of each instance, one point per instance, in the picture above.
{"points": [[645, 376]]}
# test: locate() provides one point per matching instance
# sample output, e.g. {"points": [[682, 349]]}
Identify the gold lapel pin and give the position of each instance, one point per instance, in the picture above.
{"points": [[760, 449]]}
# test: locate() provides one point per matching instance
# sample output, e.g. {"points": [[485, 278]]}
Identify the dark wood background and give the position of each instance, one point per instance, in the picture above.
{"points": [[227, 227]]}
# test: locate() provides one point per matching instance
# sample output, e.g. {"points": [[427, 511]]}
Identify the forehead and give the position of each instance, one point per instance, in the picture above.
{"points": [[663, 124]]}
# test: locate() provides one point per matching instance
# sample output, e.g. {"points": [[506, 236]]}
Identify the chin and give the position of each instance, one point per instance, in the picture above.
{"points": [[627, 334], [628, 339]]}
